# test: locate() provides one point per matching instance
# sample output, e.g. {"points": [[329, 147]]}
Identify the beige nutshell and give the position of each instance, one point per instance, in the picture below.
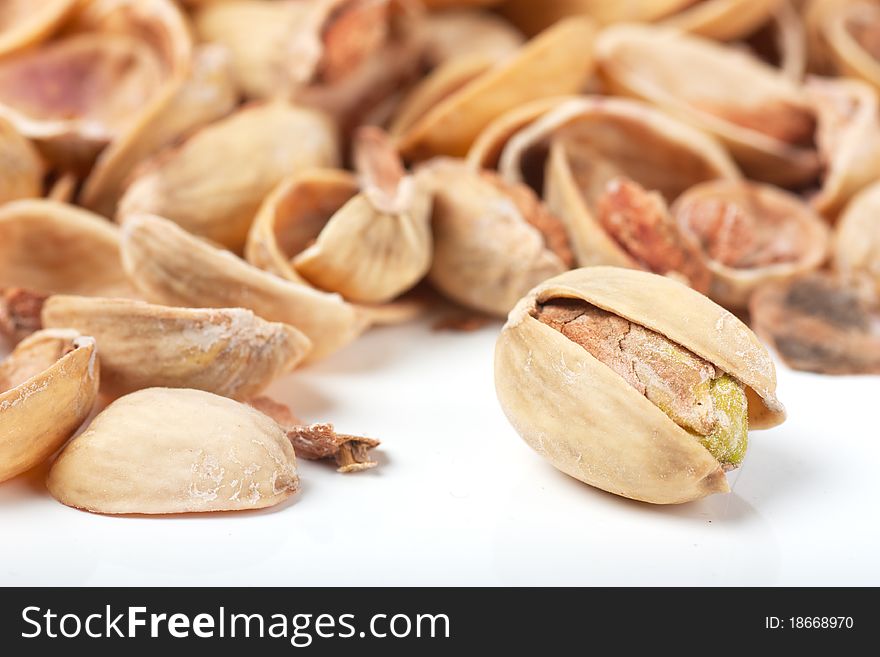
{"points": [[47, 388], [167, 450], [227, 351], [856, 247], [213, 184], [21, 165], [172, 267], [591, 423]]}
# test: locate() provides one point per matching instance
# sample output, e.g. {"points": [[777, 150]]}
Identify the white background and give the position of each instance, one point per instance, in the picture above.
{"points": [[459, 499]]}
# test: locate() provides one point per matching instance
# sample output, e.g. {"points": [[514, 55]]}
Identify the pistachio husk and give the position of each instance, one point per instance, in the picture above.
{"points": [[456, 33], [23, 168], [589, 422], [203, 96], [765, 119], [856, 249], [488, 248], [24, 25], [172, 267], [47, 388], [556, 62], [218, 197], [750, 234], [844, 36], [227, 351], [164, 450], [52, 247]]}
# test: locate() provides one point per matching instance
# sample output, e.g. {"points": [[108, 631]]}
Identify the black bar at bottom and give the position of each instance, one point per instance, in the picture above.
{"points": [[433, 621]]}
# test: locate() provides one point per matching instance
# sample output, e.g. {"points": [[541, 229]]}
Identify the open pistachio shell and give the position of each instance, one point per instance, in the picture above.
{"points": [[532, 17], [723, 19], [457, 32], [22, 168], [75, 94], [765, 119], [589, 422], [487, 253], [170, 266], [848, 31], [783, 42], [555, 62], [22, 24], [857, 236], [750, 234], [227, 351], [176, 451], [848, 138], [218, 197], [52, 247], [203, 96], [47, 388], [592, 140]]}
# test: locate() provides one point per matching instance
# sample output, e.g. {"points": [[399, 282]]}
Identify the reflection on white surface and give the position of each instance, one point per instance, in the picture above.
{"points": [[460, 499]]}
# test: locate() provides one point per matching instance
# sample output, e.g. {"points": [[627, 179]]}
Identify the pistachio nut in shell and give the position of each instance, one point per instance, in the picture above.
{"points": [[227, 351], [695, 377], [217, 197], [856, 248], [556, 62], [165, 450], [52, 247], [748, 234], [492, 241], [205, 95], [47, 388], [765, 119], [172, 267]]}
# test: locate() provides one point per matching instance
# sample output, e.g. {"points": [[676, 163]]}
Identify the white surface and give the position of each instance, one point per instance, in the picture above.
{"points": [[460, 500]]}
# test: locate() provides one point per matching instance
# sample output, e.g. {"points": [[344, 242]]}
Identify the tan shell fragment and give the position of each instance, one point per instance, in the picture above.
{"points": [[857, 237], [22, 24], [848, 30], [456, 33], [172, 267], [53, 247], [588, 422], [21, 166], [229, 351], [848, 138], [764, 118], [593, 140], [486, 252], [750, 234], [369, 246], [75, 94], [212, 185], [176, 451], [204, 96], [47, 388], [556, 62], [723, 20]]}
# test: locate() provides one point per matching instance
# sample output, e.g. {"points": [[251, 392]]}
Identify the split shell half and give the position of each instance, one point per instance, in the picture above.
{"points": [[589, 422], [176, 451], [47, 388]]}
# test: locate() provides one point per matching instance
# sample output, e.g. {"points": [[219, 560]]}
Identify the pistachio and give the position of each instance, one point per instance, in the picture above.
{"points": [[492, 240], [857, 236], [47, 388], [454, 33], [23, 25], [218, 197], [21, 164], [229, 352], [648, 401], [170, 266], [20, 312], [175, 451], [821, 322]]}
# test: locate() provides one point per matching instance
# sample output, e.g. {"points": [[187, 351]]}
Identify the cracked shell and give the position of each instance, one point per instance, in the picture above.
{"points": [[172, 267], [589, 422], [175, 451], [49, 384], [25, 25], [857, 236], [227, 351]]}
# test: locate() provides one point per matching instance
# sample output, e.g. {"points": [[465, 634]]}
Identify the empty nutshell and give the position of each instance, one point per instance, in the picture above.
{"points": [[163, 450], [226, 351], [648, 401], [48, 386]]}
